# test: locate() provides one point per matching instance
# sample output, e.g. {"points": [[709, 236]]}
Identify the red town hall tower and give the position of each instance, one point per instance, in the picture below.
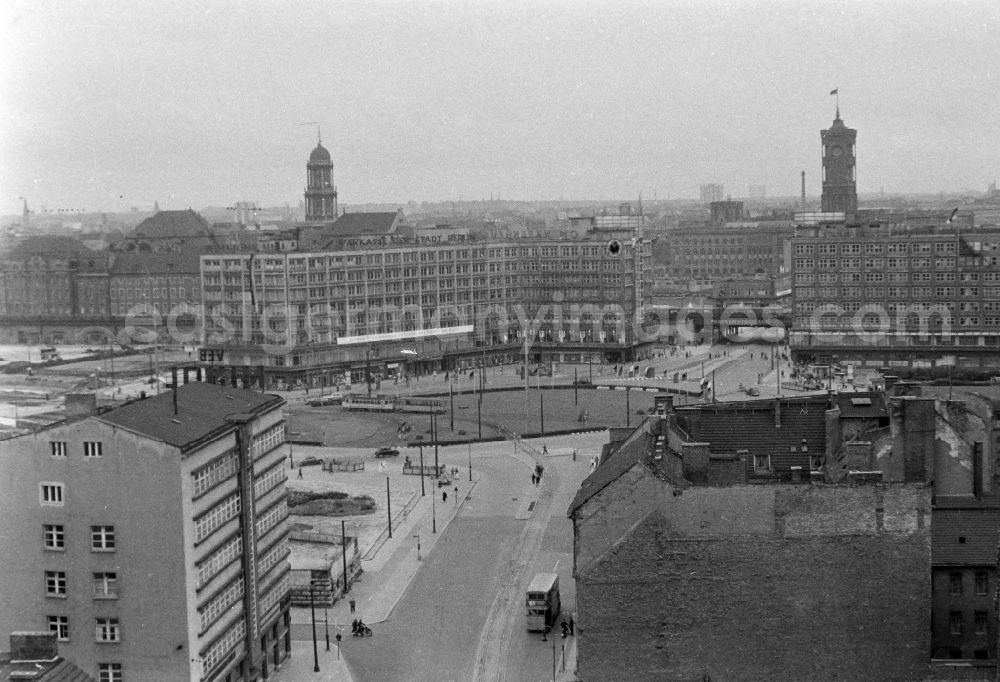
{"points": [[840, 191], [321, 193]]}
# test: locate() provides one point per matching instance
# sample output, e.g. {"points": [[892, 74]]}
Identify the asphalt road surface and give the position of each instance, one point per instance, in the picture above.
{"points": [[462, 617]]}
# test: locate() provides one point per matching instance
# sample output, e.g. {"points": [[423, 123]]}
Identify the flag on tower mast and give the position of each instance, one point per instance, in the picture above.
{"points": [[834, 91]]}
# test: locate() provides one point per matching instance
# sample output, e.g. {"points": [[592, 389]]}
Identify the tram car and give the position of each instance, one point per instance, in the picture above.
{"points": [[388, 403]]}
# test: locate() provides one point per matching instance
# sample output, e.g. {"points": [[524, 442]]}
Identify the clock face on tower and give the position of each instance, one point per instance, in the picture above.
{"points": [[837, 150]]}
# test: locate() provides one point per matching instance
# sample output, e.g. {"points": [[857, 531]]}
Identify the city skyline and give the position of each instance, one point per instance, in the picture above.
{"points": [[107, 105]]}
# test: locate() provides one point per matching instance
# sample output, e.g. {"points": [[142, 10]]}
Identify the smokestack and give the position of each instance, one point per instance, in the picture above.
{"points": [[803, 190], [977, 469], [173, 379]]}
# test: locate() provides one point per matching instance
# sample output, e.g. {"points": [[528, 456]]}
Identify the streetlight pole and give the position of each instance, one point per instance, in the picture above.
{"points": [[343, 551], [434, 422], [418, 546], [422, 491], [368, 368], [434, 525], [326, 626], [312, 610], [388, 505], [541, 405], [470, 461]]}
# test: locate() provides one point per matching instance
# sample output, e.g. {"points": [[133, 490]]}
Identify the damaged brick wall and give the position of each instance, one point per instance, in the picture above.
{"points": [[764, 583]]}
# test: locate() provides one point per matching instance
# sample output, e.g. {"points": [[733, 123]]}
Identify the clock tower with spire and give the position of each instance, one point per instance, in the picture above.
{"points": [[840, 191], [321, 193]]}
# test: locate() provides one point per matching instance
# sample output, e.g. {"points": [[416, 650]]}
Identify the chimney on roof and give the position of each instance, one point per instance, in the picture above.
{"points": [[33, 646], [173, 379], [80, 405], [978, 470], [777, 413], [663, 404]]}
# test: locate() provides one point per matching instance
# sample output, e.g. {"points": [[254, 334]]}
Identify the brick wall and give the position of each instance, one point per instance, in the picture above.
{"points": [[763, 583]]}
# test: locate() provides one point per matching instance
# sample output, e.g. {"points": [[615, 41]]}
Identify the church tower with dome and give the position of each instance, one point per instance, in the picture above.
{"points": [[321, 193]]}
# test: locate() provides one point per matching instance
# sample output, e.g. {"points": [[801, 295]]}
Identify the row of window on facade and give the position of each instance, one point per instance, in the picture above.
{"points": [[106, 630], [874, 248], [878, 262], [102, 538], [895, 277]]}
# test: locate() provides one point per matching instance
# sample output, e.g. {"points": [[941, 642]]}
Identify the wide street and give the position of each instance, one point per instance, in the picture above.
{"points": [[462, 615]]}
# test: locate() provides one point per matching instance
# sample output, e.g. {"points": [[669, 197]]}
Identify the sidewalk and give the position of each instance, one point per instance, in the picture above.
{"points": [[300, 666], [388, 573]]}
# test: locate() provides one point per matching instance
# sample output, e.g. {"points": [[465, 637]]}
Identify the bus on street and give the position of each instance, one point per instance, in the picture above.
{"points": [[543, 601]]}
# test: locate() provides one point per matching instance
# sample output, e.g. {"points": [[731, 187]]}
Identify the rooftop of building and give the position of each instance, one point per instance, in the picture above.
{"points": [[34, 657], [897, 228], [622, 453], [59, 670], [774, 425], [49, 245], [159, 262], [173, 224], [350, 224], [965, 531], [201, 414]]}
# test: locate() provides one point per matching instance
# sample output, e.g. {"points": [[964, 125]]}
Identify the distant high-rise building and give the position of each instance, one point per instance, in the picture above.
{"points": [[321, 193], [840, 192], [712, 192], [723, 212]]}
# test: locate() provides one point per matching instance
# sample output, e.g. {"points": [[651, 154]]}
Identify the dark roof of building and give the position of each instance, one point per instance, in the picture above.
{"points": [[49, 245], [202, 409], [314, 238], [351, 224], [965, 531], [319, 153], [59, 670], [750, 425], [167, 224], [158, 262], [629, 452]]}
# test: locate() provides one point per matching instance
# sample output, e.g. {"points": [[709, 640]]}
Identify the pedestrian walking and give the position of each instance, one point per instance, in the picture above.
{"points": [[444, 496], [545, 449], [574, 455], [456, 495], [352, 606], [571, 624], [534, 479], [300, 471]]}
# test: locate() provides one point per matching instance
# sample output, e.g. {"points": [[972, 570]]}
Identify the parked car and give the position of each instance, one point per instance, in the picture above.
{"points": [[753, 390], [386, 452]]}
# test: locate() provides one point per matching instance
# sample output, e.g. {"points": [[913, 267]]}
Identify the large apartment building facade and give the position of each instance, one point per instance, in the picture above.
{"points": [[896, 294], [152, 538], [317, 318]]}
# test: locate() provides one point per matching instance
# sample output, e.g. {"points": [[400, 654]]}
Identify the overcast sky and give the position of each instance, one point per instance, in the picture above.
{"points": [[107, 105]]}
